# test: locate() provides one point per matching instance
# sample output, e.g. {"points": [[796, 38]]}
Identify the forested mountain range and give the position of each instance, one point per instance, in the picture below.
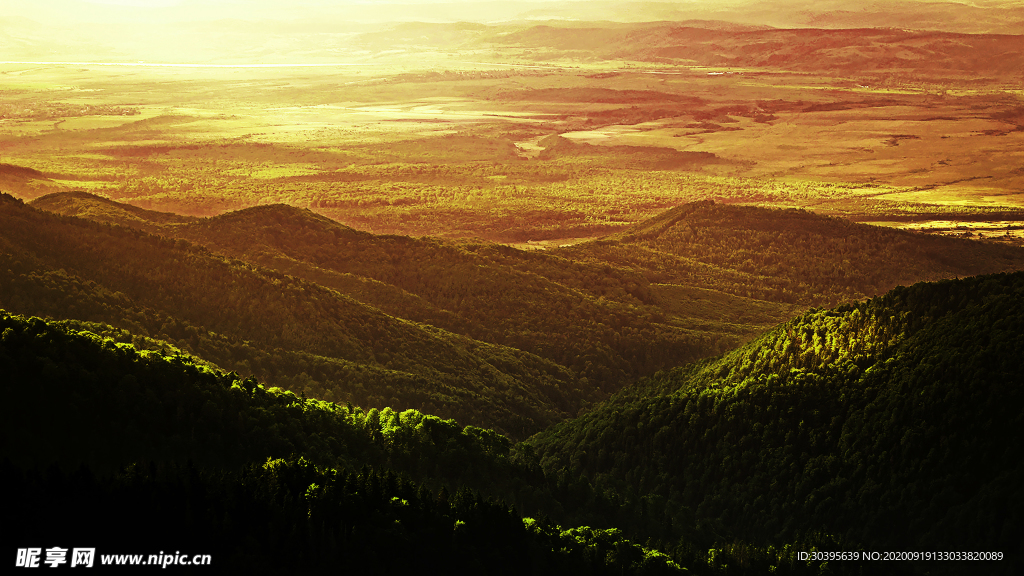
{"points": [[555, 331], [891, 424], [163, 449], [895, 423], [605, 324], [239, 315], [870, 425], [594, 320]]}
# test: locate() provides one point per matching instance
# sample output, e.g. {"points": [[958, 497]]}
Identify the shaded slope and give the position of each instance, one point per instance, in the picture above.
{"points": [[65, 266], [870, 50], [99, 209], [199, 447], [788, 255], [896, 423], [637, 157], [26, 182], [590, 318], [131, 439], [603, 323]]}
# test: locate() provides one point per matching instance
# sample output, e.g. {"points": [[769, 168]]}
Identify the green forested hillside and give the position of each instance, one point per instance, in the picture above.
{"points": [[287, 517], [242, 316], [797, 436], [164, 449], [788, 255], [76, 398], [895, 423], [153, 448]]}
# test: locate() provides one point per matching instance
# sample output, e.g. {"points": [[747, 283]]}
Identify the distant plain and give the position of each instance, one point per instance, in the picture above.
{"points": [[734, 279], [446, 130]]}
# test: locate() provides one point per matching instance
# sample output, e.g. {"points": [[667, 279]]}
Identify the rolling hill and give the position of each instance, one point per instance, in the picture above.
{"points": [[866, 425], [690, 282], [788, 255], [854, 49], [239, 315], [894, 423], [155, 447], [601, 322], [27, 182], [99, 209]]}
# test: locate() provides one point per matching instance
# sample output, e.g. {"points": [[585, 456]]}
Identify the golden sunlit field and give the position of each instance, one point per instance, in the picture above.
{"points": [[534, 142], [713, 287]]}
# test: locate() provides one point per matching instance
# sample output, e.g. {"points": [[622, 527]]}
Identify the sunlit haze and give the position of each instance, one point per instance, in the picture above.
{"points": [[269, 31], [513, 286]]}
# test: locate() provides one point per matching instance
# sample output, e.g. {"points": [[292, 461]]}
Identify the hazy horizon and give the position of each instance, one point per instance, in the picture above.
{"points": [[797, 13], [318, 31]]}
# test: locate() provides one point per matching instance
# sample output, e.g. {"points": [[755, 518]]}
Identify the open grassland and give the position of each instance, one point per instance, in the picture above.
{"points": [[524, 135]]}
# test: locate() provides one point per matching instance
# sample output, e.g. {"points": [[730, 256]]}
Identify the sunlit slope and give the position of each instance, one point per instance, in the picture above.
{"points": [[309, 336], [788, 255], [593, 319], [602, 322], [135, 437], [896, 423], [159, 447], [99, 209]]}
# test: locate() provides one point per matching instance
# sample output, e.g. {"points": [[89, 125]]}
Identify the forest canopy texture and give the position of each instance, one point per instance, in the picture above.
{"points": [[313, 396], [895, 423], [889, 424]]}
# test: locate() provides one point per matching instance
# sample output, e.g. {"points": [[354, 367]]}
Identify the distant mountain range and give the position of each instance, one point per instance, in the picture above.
{"points": [[892, 424], [73, 30]]}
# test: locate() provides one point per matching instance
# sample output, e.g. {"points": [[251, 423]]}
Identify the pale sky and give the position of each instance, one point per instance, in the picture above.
{"points": [[199, 10], [104, 22], [201, 7], [155, 11], [139, 3]]}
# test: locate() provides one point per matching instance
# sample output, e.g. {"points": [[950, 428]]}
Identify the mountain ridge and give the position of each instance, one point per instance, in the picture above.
{"points": [[182, 292], [892, 421]]}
